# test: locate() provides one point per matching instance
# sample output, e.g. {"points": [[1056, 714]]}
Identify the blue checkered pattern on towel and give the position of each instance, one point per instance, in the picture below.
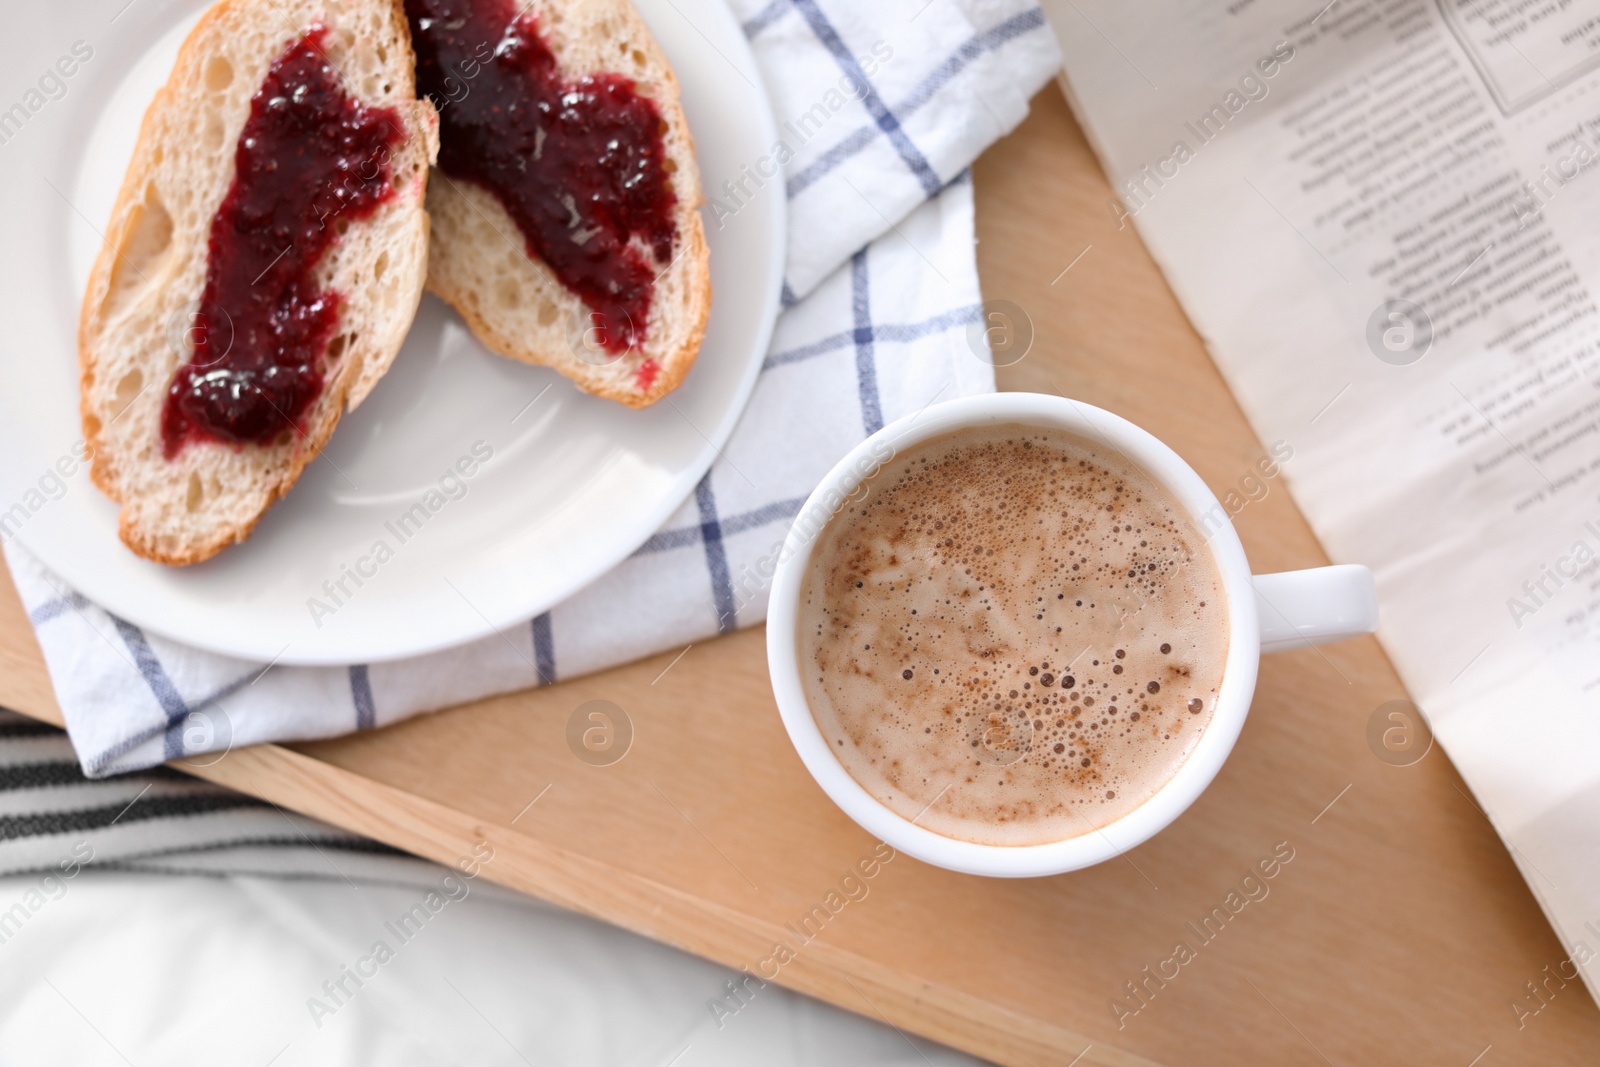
{"points": [[881, 108], [881, 105]]}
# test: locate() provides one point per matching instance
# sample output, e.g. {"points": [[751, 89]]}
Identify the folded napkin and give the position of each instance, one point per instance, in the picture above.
{"points": [[881, 108]]}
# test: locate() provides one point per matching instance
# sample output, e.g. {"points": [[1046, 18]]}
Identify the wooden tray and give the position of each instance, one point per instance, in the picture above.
{"points": [[1400, 932]]}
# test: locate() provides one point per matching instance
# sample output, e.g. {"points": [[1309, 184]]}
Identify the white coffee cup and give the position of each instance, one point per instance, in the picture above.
{"points": [[1266, 613]]}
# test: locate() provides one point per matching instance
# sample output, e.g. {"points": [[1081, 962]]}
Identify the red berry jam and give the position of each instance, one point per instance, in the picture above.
{"points": [[310, 159], [578, 164], [646, 375]]}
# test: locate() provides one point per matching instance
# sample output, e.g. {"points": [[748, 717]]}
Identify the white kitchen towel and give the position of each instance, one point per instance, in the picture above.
{"points": [[878, 106], [882, 108]]}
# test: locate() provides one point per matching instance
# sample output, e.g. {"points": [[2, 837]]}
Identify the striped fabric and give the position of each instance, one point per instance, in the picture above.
{"points": [[881, 109], [54, 819]]}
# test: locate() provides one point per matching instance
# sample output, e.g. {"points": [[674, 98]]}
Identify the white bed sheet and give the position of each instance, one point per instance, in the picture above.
{"points": [[121, 968]]}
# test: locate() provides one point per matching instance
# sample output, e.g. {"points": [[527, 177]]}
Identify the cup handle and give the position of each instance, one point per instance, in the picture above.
{"points": [[1316, 606]]}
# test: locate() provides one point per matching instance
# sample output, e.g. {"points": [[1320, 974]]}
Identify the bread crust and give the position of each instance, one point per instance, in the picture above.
{"points": [[470, 226], [120, 455]]}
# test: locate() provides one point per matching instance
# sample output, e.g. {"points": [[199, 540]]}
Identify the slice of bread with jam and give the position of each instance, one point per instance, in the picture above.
{"points": [[263, 262], [564, 203]]}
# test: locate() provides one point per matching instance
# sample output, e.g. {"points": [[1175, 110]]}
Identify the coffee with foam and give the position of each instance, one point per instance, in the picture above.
{"points": [[1015, 637]]}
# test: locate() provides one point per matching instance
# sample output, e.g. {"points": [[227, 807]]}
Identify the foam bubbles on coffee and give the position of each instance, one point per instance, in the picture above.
{"points": [[1016, 637]]}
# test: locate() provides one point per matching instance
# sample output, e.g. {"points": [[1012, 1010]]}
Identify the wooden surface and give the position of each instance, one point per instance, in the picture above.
{"points": [[1399, 933]]}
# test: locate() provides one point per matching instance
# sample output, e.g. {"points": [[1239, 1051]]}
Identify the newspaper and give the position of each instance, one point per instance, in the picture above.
{"points": [[1384, 219]]}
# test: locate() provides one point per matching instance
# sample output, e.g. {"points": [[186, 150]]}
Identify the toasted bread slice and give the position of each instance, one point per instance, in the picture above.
{"points": [[152, 269], [479, 263]]}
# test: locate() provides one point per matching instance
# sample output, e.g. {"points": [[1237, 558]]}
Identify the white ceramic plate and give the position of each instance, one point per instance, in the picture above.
{"points": [[575, 482]]}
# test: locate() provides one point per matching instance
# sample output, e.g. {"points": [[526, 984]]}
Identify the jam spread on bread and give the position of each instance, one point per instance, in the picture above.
{"points": [[310, 160], [578, 163]]}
